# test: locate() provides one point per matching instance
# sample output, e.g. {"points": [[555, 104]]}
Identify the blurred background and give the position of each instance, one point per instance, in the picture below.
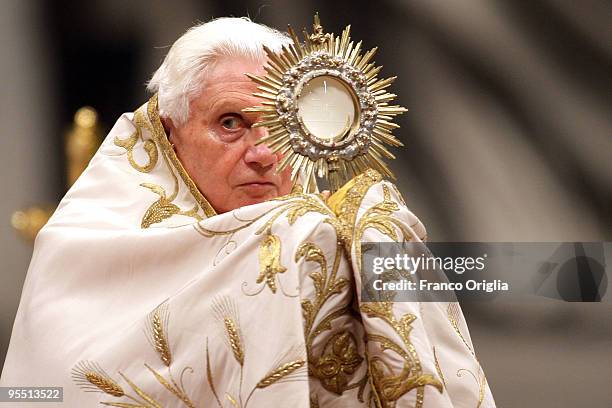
{"points": [[508, 138]]}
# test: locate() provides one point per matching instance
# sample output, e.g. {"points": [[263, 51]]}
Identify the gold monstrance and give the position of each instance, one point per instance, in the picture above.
{"points": [[325, 108]]}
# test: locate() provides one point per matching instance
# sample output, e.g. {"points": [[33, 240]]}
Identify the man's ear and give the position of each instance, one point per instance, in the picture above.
{"points": [[168, 127]]}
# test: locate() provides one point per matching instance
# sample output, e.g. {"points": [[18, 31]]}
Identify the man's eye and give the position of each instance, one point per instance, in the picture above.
{"points": [[232, 122]]}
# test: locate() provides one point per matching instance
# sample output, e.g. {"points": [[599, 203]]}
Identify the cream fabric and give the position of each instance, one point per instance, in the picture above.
{"points": [[139, 294]]}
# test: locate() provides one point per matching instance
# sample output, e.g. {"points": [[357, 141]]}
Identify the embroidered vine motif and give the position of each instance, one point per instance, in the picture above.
{"points": [[294, 206], [339, 358], [346, 202], [380, 217], [388, 386], [343, 351], [140, 122]]}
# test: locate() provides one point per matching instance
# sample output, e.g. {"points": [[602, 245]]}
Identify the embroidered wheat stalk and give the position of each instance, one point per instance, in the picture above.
{"points": [[156, 331], [159, 339], [105, 384], [234, 339], [226, 313], [280, 372], [91, 377]]}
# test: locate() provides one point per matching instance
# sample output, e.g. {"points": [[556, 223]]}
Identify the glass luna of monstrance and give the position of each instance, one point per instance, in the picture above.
{"points": [[325, 109]]}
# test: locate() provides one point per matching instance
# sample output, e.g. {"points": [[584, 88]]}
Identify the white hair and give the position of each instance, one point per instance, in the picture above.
{"points": [[179, 78]]}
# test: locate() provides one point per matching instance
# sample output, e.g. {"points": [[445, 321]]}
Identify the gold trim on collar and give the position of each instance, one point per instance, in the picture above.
{"points": [[159, 134]]}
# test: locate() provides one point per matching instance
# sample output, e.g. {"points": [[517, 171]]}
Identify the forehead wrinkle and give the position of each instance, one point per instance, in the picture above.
{"points": [[236, 99]]}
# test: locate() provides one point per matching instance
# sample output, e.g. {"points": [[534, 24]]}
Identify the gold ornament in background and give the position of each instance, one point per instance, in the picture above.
{"points": [[325, 108], [82, 141], [30, 220]]}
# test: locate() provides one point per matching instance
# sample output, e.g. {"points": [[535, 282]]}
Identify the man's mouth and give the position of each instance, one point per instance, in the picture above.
{"points": [[257, 188], [258, 183]]}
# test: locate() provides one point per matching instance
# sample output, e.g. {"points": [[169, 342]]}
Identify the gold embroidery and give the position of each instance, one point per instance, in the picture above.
{"points": [[293, 205], [438, 368], [160, 209], [164, 207], [140, 393], [209, 377], [226, 313], [346, 202], [92, 378], [173, 387], [338, 362], [280, 372], [231, 400], [380, 218], [289, 369], [389, 387], [481, 380], [339, 359], [325, 286], [269, 261], [454, 312], [156, 331], [399, 195], [149, 147], [314, 401], [235, 339]]}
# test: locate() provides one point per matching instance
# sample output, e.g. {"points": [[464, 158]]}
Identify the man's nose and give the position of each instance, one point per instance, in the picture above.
{"points": [[261, 154]]}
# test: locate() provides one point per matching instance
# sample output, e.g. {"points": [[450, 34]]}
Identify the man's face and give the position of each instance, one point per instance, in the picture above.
{"points": [[217, 144]]}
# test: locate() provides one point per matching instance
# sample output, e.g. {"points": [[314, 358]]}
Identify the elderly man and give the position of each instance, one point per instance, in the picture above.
{"points": [[206, 124], [180, 271]]}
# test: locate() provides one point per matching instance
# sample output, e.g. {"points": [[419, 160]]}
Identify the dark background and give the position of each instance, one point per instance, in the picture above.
{"points": [[508, 138]]}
